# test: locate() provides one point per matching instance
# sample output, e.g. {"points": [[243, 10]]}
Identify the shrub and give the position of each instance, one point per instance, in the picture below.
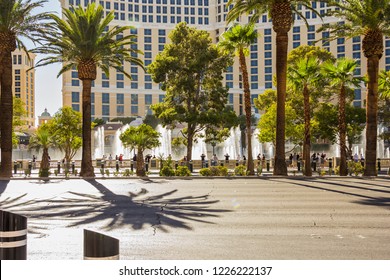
{"points": [[182, 171], [44, 172], [127, 173], [205, 172], [355, 167], [75, 172], [337, 170], [27, 172], [214, 171], [223, 171], [260, 169], [240, 170], [102, 171], [167, 171], [56, 172], [107, 172]]}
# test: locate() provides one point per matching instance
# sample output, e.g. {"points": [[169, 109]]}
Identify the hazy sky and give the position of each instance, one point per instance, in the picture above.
{"points": [[47, 85]]}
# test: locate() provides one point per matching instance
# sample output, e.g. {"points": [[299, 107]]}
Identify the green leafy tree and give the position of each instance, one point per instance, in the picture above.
{"points": [[19, 112], [328, 123], [190, 70], [341, 76], [370, 19], [81, 40], [18, 19], [236, 40], [96, 122], [140, 138], [152, 120], [281, 13], [42, 140], [66, 130], [384, 105], [303, 76]]}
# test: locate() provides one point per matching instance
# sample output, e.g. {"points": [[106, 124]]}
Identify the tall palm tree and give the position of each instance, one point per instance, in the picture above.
{"points": [[341, 76], [236, 40], [370, 19], [281, 13], [140, 138], [83, 41], [17, 21], [303, 75], [42, 140]]}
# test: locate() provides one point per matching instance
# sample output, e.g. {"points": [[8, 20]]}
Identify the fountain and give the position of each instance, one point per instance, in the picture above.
{"points": [[232, 145], [165, 139], [199, 148], [99, 142], [257, 147], [117, 145]]}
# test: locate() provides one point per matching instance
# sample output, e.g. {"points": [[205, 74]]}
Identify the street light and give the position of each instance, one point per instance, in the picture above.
{"points": [[213, 143]]}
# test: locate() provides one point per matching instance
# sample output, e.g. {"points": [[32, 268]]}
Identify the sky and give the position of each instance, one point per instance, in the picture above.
{"points": [[47, 86]]}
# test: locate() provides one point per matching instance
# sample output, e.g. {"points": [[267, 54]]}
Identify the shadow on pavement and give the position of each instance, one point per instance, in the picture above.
{"points": [[3, 185], [135, 210], [341, 189]]}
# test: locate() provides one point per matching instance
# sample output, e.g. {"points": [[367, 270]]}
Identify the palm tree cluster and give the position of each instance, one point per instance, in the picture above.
{"points": [[367, 18], [82, 40]]}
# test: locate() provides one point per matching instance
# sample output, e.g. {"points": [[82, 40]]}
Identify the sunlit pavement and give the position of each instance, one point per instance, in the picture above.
{"points": [[260, 218]]}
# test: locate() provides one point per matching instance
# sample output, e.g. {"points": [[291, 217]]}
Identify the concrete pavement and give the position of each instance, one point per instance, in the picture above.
{"points": [[259, 218]]}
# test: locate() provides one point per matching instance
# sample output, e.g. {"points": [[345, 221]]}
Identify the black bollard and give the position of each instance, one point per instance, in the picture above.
{"points": [[102, 164], [267, 165], [299, 165], [59, 167], [29, 166], [117, 166], [379, 164], [237, 162], [176, 164], [146, 166], [330, 166], [15, 167], [207, 163], [132, 165], [191, 166], [73, 167], [13, 232], [98, 246], [221, 163]]}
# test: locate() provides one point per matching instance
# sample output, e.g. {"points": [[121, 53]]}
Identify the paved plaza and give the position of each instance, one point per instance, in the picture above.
{"points": [[207, 218]]}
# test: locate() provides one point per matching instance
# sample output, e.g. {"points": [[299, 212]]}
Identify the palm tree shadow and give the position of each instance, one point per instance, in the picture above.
{"points": [[3, 185], [135, 210]]}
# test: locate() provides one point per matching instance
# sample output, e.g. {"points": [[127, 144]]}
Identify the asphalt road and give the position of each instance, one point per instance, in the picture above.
{"points": [[267, 218]]}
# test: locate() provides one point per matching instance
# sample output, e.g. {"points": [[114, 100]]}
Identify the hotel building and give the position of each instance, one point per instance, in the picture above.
{"points": [[117, 96], [24, 83]]}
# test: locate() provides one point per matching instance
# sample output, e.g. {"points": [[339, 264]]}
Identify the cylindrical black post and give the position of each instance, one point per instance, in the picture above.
{"points": [[267, 165], [379, 164], [102, 164], [176, 164], [29, 166], [117, 166], [237, 162], [191, 166], [132, 165], [73, 167], [15, 167], [98, 246], [221, 163], [299, 165], [207, 163], [146, 166], [13, 236], [59, 167], [330, 166]]}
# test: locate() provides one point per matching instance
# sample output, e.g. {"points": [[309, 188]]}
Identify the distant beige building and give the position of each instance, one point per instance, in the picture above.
{"points": [[117, 96], [24, 83], [44, 117]]}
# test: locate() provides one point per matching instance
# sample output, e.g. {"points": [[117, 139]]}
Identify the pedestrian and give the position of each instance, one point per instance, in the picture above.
{"points": [[202, 156], [34, 161], [355, 157], [109, 160], [227, 157], [215, 160]]}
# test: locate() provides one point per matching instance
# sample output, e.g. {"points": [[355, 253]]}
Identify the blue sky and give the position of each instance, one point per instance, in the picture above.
{"points": [[47, 85]]}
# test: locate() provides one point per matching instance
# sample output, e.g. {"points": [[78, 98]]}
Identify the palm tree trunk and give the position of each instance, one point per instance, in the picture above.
{"points": [[306, 141], [281, 77], [6, 107], [248, 113], [343, 132], [140, 163], [87, 169], [371, 115], [45, 160]]}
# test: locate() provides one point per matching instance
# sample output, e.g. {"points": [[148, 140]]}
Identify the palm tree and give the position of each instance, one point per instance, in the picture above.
{"points": [[83, 41], [16, 21], [236, 40], [42, 140], [303, 75], [140, 138], [370, 19], [341, 76], [384, 85], [281, 13]]}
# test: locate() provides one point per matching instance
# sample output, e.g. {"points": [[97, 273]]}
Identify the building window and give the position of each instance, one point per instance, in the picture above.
{"points": [[134, 98], [148, 99], [75, 97], [120, 98], [120, 110], [105, 110], [106, 98], [76, 107]]}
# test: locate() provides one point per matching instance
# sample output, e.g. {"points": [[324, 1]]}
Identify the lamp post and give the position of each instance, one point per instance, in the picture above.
{"points": [[213, 144]]}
